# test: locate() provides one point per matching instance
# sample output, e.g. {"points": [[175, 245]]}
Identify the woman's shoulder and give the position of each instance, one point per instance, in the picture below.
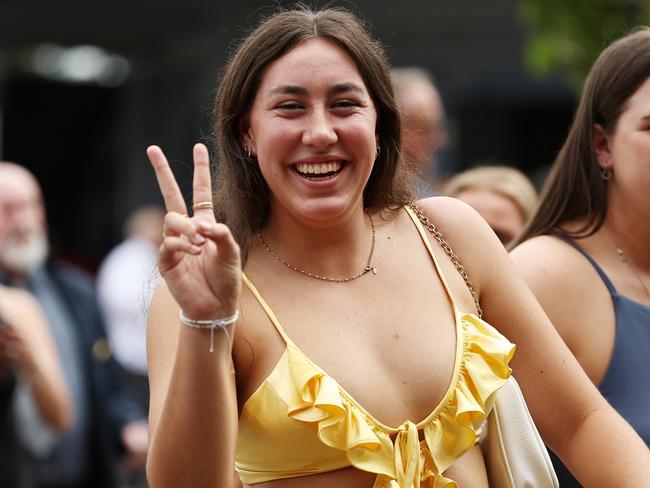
{"points": [[546, 260], [470, 238], [463, 228], [438, 205], [454, 216], [561, 278]]}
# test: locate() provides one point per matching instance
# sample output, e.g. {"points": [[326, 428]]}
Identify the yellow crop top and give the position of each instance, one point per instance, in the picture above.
{"points": [[300, 421]]}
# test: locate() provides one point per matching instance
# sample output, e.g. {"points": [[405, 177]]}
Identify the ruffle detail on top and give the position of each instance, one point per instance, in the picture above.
{"points": [[449, 432], [339, 424], [484, 369]]}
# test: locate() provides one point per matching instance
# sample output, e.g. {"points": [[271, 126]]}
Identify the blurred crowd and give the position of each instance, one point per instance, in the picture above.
{"points": [[73, 388]]}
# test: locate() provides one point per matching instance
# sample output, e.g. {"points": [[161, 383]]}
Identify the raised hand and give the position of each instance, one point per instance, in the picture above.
{"points": [[14, 349], [199, 258]]}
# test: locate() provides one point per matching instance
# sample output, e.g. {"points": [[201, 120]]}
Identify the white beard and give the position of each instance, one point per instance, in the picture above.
{"points": [[23, 254]]}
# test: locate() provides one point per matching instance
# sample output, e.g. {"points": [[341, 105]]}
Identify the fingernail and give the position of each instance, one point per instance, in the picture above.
{"points": [[195, 249], [198, 238], [205, 225]]}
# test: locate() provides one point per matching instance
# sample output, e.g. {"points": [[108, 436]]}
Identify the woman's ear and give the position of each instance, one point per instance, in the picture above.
{"points": [[245, 134], [601, 143]]}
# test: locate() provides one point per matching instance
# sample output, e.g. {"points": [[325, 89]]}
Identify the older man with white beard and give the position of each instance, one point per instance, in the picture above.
{"points": [[104, 417], [23, 237]]}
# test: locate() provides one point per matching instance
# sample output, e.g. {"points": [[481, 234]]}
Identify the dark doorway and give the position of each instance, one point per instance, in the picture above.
{"points": [[63, 134]]}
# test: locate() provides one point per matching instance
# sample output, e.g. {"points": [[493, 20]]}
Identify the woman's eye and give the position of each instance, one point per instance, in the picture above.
{"points": [[345, 104], [289, 106]]}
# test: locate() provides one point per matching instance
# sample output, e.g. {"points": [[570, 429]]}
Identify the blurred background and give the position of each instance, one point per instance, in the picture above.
{"points": [[85, 86]]}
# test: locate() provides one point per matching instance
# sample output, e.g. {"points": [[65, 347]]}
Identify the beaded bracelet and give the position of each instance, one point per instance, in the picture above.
{"points": [[211, 324]]}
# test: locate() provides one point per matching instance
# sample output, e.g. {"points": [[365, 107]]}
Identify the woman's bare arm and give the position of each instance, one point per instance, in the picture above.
{"points": [[30, 346], [193, 408], [599, 447]]}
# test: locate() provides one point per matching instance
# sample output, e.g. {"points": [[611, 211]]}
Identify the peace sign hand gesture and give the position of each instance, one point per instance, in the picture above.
{"points": [[199, 258]]}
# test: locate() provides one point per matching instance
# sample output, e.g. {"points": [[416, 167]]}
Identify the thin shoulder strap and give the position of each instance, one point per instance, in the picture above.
{"points": [[421, 222], [599, 270], [267, 309]]}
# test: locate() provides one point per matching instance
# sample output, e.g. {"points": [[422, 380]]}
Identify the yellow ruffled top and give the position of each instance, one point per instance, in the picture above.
{"points": [[301, 422]]}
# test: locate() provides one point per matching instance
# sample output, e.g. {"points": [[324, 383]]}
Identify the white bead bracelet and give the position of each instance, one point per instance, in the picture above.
{"points": [[211, 324]]}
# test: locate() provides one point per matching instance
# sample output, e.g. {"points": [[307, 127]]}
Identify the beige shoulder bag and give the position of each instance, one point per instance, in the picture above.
{"points": [[515, 455]]}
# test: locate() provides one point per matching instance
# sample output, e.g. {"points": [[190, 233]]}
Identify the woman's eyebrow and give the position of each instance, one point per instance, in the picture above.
{"points": [[289, 90], [346, 87], [334, 90]]}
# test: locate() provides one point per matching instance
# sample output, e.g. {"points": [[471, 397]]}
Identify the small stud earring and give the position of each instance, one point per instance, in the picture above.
{"points": [[605, 173], [248, 151], [377, 151]]}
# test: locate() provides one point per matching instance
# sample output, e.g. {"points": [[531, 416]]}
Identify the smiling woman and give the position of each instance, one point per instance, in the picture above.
{"points": [[362, 88], [312, 129], [338, 376]]}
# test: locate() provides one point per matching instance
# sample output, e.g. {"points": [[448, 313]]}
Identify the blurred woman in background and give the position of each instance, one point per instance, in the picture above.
{"points": [[29, 365], [586, 251], [503, 196]]}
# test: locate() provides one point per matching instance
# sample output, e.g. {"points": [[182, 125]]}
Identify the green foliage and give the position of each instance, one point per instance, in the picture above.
{"points": [[566, 36]]}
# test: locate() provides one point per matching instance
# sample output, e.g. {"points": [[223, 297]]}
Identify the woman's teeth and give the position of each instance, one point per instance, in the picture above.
{"points": [[319, 169]]}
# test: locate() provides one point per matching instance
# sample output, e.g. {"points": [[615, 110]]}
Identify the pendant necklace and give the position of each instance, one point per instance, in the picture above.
{"points": [[623, 257], [367, 269]]}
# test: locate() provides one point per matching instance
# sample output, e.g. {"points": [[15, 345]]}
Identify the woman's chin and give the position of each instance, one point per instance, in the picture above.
{"points": [[327, 210]]}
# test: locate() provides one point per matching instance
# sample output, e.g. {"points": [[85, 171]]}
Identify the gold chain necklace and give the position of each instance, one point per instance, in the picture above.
{"points": [[623, 257], [365, 270]]}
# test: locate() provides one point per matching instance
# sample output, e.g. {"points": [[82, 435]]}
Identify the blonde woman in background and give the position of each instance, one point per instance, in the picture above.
{"points": [[503, 196]]}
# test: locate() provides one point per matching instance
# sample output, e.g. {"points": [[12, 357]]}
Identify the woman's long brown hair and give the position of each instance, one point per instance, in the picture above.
{"points": [[241, 194], [575, 189]]}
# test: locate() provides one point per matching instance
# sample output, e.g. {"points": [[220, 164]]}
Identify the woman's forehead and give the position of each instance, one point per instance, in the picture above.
{"points": [[312, 62], [638, 105]]}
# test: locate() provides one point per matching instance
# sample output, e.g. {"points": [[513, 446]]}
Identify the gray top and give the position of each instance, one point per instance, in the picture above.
{"points": [[626, 383]]}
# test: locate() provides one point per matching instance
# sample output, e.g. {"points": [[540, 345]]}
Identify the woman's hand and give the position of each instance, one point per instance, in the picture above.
{"points": [[27, 346], [14, 350], [199, 258]]}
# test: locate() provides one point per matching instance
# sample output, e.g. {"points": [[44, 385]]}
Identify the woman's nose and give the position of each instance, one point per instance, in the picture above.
{"points": [[320, 131]]}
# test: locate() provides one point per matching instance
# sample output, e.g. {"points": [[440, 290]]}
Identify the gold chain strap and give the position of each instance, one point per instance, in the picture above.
{"points": [[447, 248]]}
